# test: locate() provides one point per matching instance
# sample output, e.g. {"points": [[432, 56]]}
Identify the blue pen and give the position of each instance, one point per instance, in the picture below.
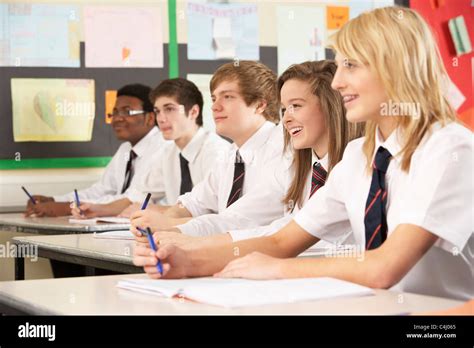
{"points": [[28, 194], [78, 203], [145, 202], [153, 246], [144, 205]]}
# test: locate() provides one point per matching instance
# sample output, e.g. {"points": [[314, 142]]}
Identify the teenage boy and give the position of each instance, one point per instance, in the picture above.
{"points": [[245, 109], [133, 122], [182, 163]]}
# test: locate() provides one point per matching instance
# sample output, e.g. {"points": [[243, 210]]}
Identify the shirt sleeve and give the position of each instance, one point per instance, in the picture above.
{"points": [[259, 207], [441, 190], [260, 231]]}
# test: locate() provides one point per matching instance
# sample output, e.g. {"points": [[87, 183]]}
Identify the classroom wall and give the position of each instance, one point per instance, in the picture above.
{"points": [[58, 181]]}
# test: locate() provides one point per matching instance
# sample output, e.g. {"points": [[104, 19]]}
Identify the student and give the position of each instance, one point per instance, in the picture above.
{"points": [[245, 109], [133, 121], [405, 189], [315, 128], [183, 162]]}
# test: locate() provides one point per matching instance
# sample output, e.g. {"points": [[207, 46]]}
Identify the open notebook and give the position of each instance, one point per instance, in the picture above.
{"points": [[105, 219], [243, 292], [119, 234]]}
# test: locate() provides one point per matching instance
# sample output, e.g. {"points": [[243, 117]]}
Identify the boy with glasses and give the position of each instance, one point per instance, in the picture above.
{"points": [[182, 163], [133, 121]]}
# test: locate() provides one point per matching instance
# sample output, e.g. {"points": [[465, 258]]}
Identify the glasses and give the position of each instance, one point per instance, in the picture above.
{"points": [[125, 113]]}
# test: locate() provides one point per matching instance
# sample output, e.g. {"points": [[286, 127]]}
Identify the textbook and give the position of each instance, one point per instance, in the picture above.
{"points": [[233, 293], [119, 234]]}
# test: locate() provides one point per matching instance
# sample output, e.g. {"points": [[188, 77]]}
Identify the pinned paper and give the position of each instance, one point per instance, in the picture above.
{"points": [[123, 37], [454, 95], [301, 34], [52, 109], [460, 36], [222, 35], [218, 31], [336, 17], [110, 98]]}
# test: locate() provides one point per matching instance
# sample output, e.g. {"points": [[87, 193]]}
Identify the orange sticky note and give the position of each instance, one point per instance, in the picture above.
{"points": [[336, 16], [110, 97]]}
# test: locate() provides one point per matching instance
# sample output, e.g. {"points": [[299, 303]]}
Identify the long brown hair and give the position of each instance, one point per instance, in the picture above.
{"points": [[319, 75]]}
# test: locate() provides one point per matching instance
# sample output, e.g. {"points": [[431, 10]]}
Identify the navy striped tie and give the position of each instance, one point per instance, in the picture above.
{"points": [[238, 183], [375, 220], [318, 178]]}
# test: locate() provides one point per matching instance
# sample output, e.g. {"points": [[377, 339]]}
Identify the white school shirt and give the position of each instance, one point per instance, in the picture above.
{"points": [[164, 179], [276, 225], [109, 187], [436, 194], [208, 200]]}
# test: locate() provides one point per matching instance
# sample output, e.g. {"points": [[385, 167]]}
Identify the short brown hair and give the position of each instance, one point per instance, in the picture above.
{"points": [[256, 81], [319, 75], [186, 93]]}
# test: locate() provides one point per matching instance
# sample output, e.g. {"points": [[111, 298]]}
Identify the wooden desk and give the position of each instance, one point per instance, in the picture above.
{"points": [[16, 222], [82, 249], [100, 296]]}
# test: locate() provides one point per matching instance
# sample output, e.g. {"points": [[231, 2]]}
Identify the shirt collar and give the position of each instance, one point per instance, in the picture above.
{"points": [[192, 149], [255, 142], [324, 161], [392, 143], [141, 147]]}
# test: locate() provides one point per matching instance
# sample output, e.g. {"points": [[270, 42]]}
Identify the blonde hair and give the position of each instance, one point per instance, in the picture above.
{"points": [[319, 76], [398, 45], [256, 81]]}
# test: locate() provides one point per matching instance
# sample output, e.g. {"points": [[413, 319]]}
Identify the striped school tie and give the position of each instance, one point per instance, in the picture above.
{"points": [[318, 178], [375, 220], [238, 183], [129, 171]]}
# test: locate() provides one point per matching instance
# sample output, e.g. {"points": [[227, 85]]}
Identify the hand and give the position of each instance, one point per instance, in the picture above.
{"points": [[253, 266], [48, 209], [127, 212], [176, 262], [39, 199], [86, 210], [147, 218]]}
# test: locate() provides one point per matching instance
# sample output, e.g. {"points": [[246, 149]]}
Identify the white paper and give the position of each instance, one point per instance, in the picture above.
{"points": [[108, 219], [120, 234], [243, 292], [454, 95], [223, 41]]}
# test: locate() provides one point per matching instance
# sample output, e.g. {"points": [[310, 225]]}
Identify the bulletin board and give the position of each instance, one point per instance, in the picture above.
{"points": [[459, 68], [98, 151]]}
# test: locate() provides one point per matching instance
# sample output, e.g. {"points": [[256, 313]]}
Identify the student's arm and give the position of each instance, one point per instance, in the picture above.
{"points": [[209, 259], [155, 220], [127, 212], [91, 210], [177, 211], [379, 268]]}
